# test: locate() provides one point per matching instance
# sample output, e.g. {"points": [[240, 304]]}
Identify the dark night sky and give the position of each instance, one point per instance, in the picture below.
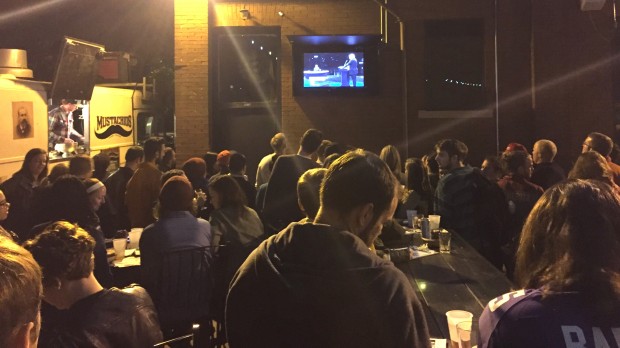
{"points": [[142, 27]]}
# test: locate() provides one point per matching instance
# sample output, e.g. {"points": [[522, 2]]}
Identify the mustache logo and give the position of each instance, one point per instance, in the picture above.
{"points": [[113, 125], [116, 129]]}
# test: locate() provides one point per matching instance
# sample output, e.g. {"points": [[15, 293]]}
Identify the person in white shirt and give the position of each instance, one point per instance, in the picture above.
{"points": [[278, 144]]}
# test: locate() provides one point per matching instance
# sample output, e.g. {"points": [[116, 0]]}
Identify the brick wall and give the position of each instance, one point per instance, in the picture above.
{"points": [[366, 122], [359, 121], [191, 78]]}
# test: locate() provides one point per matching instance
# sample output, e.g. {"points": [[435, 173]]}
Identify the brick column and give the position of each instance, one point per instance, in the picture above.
{"points": [[191, 52]]}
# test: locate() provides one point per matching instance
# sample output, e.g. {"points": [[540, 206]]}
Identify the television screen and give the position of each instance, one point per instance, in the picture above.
{"points": [[333, 70]]}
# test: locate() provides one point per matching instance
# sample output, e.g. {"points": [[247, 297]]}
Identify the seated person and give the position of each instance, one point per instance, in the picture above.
{"points": [[308, 192], [176, 228], [93, 316], [19, 302], [568, 271]]}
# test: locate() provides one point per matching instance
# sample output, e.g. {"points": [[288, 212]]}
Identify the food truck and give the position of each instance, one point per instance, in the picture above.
{"points": [[111, 116]]}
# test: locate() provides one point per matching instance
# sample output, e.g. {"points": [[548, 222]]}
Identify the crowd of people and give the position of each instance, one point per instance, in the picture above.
{"points": [[295, 250]]}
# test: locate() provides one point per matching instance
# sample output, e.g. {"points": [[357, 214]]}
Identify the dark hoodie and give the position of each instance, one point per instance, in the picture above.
{"points": [[314, 286]]}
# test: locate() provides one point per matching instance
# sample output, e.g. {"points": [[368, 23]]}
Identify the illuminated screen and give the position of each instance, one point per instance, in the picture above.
{"points": [[333, 70]]}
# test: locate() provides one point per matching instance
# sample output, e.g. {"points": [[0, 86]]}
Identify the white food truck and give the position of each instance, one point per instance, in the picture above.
{"points": [[112, 117]]}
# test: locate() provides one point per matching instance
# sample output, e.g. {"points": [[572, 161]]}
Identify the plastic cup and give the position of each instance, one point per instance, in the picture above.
{"points": [[434, 221], [455, 317], [411, 215], [444, 241], [119, 248], [466, 332], [134, 238]]}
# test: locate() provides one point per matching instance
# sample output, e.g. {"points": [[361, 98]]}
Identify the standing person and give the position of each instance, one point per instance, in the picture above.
{"points": [[19, 190], [143, 187], [20, 296], [322, 278], [492, 168], [116, 185], [101, 162], [602, 144], [278, 144], [546, 172], [591, 165], [280, 204], [568, 272], [94, 316], [351, 66], [61, 125], [81, 166], [168, 160]]}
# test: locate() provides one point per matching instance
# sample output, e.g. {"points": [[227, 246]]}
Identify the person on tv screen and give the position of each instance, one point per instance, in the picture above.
{"points": [[351, 65]]}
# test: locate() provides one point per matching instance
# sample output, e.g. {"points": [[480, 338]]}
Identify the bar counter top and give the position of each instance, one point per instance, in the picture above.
{"points": [[462, 280]]}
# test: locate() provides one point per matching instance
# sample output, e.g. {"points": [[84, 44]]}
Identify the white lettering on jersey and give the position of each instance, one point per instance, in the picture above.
{"points": [[568, 332], [498, 302], [616, 332], [599, 339]]}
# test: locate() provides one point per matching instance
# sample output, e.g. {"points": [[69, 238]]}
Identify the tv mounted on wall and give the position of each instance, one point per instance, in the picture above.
{"points": [[335, 64]]}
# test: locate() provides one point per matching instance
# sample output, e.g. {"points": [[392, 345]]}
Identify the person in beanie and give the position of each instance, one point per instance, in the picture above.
{"points": [[176, 228]]}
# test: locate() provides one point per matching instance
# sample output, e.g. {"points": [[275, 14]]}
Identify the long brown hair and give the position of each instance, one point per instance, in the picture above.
{"points": [[230, 192], [592, 165], [571, 242]]}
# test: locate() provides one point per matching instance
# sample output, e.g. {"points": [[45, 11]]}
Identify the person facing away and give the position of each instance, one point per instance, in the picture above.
{"points": [[176, 229], [20, 296], [168, 160], [319, 284], [143, 187], [591, 165], [546, 172], [263, 172], [116, 185], [280, 204], [389, 154], [81, 166], [237, 172], [94, 316], [567, 273], [521, 195], [308, 192], [602, 144]]}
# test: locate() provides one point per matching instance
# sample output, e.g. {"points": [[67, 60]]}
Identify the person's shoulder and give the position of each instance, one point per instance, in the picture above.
{"points": [[511, 304]]}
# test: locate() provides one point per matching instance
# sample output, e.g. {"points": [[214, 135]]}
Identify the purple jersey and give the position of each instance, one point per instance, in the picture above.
{"points": [[524, 319]]}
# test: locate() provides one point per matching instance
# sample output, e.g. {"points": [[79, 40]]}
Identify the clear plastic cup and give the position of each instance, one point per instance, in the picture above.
{"points": [[454, 317]]}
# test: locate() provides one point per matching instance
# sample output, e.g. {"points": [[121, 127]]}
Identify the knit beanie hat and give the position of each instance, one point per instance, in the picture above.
{"points": [[176, 194]]}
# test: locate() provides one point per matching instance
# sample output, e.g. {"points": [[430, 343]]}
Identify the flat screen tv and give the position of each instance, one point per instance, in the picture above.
{"points": [[334, 70], [335, 64]]}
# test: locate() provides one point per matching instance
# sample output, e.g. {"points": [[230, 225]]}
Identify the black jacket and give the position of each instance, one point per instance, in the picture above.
{"points": [[109, 318], [314, 286]]}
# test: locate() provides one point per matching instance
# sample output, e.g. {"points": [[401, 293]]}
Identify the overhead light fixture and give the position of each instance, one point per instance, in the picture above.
{"points": [[280, 13], [245, 14]]}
